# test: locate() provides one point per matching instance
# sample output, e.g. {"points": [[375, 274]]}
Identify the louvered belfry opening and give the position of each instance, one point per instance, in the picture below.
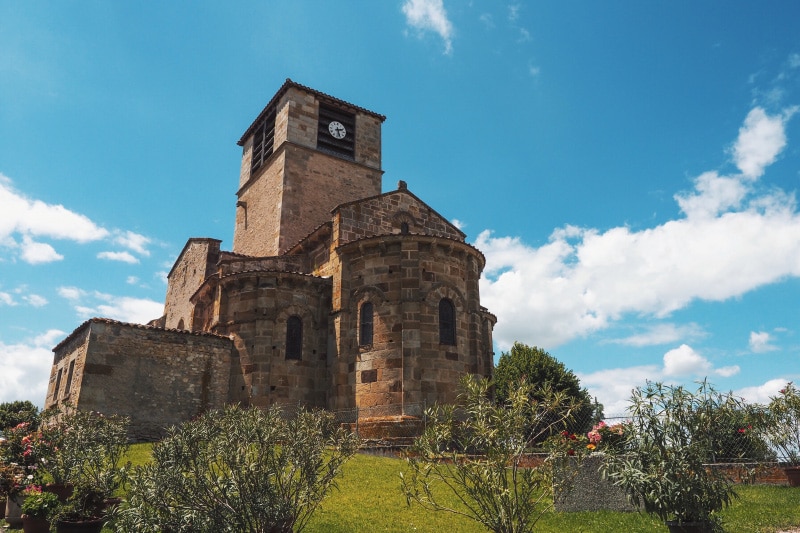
{"points": [[345, 147], [263, 141]]}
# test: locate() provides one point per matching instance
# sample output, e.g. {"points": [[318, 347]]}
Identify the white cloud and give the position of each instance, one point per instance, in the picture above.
{"points": [[513, 12], [761, 139], [794, 61], [684, 361], [71, 293], [713, 194], [35, 300], [613, 387], [760, 342], [36, 253], [122, 308], [133, 241], [762, 393], [132, 280], [25, 368], [124, 257], [36, 218], [7, 299], [430, 15], [459, 224], [583, 280], [661, 334]]}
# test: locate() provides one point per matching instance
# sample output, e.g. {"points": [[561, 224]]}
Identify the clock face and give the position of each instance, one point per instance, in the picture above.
{"points": [[337, 130]]}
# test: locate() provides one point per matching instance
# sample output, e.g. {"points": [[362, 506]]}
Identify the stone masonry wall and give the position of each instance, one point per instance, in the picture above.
{"points": [[386, 213], [156, 377], [195, 263], [405, 277], [254, 310]]}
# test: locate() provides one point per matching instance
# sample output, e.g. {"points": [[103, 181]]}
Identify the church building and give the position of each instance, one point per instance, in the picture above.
{"points": [[335, 294]]}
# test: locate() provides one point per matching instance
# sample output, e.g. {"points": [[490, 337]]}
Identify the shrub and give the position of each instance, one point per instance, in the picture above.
{"points": [[18, 412], [493, 479], [238, 470], [667, 444]]}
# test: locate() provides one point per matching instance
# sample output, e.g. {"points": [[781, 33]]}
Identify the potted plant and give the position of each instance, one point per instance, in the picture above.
{"points": [[37, 508], [781, 429], [667, 444], [83, 511]]}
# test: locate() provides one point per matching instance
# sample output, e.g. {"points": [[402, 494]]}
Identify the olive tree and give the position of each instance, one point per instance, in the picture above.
{"points": [[238, 470], [478, 452]]}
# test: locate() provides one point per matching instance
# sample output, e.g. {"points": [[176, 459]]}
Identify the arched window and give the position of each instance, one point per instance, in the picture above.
{"points": [[447, 322], [365, 329], [294, 338], [404, 228]]}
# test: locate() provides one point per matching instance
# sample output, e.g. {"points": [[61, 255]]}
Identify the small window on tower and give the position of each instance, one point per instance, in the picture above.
{"points": [[447, 322], [263, 141], [58, 383], [365, 336], [336, 131], [68, 386], [294, 338]]}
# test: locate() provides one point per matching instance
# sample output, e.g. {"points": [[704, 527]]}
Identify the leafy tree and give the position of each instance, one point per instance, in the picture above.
{"points": [[14, 413], [238, 470], [540, 369], [495, 481]]}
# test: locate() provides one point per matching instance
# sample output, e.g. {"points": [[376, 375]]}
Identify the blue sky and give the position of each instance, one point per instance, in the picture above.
{"points": [[629, 169]]}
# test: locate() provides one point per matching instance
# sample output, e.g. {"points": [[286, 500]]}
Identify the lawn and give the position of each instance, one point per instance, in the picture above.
{"points": [[369, 500]]}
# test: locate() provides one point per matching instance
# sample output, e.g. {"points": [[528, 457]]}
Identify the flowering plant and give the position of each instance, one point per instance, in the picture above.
{"points": [[14, 478], [607, 437], [569, 444], [21, 454], [781, 426], [39, 504]]}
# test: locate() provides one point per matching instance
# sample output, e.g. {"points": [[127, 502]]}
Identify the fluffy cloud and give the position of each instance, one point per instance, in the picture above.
{"points": [[761, 139], [35, 300], [430, 15], [612, 387], [25, 222], [762, 393], [25, 368], [122, 308], [583, 280], [38, 252], [684, 361], [661, 334], [133, 241], [123, 257], [760, 342], [36, 218], [71, 293]]}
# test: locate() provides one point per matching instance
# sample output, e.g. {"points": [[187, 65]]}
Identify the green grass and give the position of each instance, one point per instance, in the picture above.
{"points": [[369, 500]]}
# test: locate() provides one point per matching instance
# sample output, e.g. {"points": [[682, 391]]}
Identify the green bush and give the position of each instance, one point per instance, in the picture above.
{"points": [[18, 412], [668, 442], [477, 452], [238, 470]]}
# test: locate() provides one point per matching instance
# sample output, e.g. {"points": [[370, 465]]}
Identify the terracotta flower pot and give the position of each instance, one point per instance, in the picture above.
{"points": [[85, 526], [793, 475], [35, 525]]}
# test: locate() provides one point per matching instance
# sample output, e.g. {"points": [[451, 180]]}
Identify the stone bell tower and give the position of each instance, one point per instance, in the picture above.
{"points": [[306, 153]]}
